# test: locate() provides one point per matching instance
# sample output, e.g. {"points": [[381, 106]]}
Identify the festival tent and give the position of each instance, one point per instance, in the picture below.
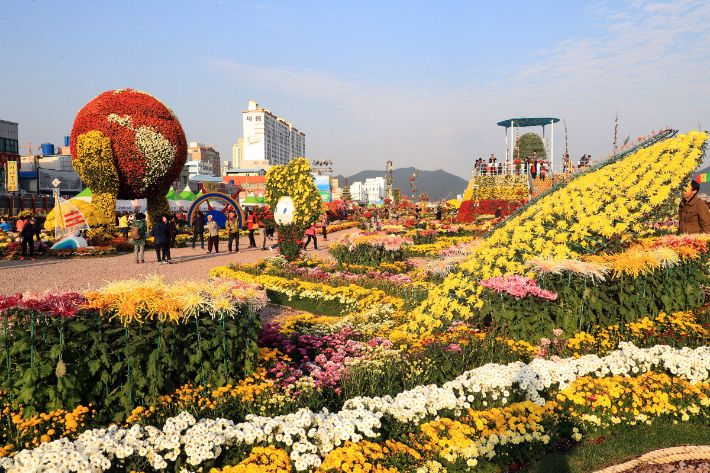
{"points": [[261, 199], [250, 201], [84, 195], [125, 206], [172, 200], [186, 198]]}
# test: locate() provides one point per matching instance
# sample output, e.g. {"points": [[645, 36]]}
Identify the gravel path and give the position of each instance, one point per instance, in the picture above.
{"points": [[93, 272]]}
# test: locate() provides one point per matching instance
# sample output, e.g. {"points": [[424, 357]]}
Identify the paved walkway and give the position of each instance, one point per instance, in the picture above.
{"points": [[93, 272]]}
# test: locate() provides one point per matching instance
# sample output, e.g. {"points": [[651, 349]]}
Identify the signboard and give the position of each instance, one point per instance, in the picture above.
{"points": [[6, 157], [12, 176], [211, 186], [69, 181], [323, 185]]}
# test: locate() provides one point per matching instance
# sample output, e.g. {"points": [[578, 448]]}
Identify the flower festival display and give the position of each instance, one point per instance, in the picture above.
{"points": [[370, 249], [295, 182], [127, 144], [127, 343], [594, 213], [423, 347]]}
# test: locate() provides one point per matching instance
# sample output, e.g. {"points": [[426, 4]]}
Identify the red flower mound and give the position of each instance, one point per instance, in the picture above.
{"points": [[469, 209], [147, 141]]}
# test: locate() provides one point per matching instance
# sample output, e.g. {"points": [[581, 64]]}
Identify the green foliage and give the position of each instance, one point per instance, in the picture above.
{"points": [[530, 142], [582, 304], [119, 367], [366, 255]]}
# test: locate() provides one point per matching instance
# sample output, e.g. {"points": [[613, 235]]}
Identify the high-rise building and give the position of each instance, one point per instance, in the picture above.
{"points": [[268, 137], [205, 153], [238, 154]]}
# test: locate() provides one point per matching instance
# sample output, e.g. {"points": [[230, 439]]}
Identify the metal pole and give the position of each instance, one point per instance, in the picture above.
{"points": [[552, 145]]}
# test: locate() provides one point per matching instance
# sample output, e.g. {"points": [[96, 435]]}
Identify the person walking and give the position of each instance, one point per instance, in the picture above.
{"points": [[123, 225], [161, 235], [252, 225], [198, 229], [212, 235], [138, 233], [28, 235], [233, 231], [311, 234], [324, 226], [693, 214]]}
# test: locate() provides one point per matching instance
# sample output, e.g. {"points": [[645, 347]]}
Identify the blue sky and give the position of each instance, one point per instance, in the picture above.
{"points": [[420, 83]]}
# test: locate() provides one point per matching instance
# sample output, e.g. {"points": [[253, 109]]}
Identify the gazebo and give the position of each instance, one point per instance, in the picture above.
{"points": [[521, 122]]}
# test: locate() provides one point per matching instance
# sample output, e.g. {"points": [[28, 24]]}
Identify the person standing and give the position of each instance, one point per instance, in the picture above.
{"points": [[212, 235], [19, 224], [123, 225], [542, 172], [311, 234], [28, 235], [198, 228], [252, 225], [693, 214], [4, 226], [233, 231], [173, 230], [324, 226], [161, 235], [138, 233]]}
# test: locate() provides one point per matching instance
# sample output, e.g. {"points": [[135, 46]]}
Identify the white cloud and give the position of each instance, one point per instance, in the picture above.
{"points": [[647, 59]]}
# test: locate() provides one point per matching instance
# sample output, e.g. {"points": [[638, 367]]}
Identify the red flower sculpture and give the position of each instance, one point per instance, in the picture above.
{"points": [[147, 141]]}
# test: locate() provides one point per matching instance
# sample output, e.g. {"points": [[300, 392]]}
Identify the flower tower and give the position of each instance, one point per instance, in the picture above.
{"points": [[127, 144]]}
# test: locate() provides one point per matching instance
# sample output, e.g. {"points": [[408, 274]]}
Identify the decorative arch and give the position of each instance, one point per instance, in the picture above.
{"points": [[215, 195]]}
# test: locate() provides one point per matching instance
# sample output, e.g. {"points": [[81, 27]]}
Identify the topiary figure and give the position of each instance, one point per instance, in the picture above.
{"points": [[127, 144], [530, 142], [293, 180]]}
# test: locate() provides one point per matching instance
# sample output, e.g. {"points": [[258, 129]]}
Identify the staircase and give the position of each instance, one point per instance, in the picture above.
{"points": [[539, 186]]}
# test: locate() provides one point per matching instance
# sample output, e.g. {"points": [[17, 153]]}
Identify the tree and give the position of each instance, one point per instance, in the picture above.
{"points": [[346, 194], [530, 142]]}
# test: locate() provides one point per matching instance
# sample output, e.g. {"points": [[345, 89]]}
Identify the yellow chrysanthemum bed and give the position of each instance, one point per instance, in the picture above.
{"points": [[585, 217]]}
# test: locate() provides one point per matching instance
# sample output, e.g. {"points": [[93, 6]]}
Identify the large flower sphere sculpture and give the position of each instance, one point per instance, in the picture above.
{"points": [[127, 144]]}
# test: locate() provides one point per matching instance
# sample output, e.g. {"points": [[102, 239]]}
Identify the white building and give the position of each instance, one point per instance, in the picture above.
{"points": [[357, 192], [199, 168], [238, 154], [268, 137], [374, 189]]}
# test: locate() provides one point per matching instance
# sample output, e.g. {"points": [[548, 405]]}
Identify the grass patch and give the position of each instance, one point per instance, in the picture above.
{"points": [[304, 304], [624, 447]]}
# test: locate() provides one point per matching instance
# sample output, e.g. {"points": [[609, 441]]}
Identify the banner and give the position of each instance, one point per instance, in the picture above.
{"points": [[70, 181], [703, 177], [323, 185], [12, 176]]}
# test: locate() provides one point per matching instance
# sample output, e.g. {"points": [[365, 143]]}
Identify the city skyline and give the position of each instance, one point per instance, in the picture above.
{"points": [[422, 86]]}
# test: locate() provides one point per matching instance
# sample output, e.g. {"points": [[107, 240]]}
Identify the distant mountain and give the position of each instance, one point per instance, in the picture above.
{"points": [[437, 184]]}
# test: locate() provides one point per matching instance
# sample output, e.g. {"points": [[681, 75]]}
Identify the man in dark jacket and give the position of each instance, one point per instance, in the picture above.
{"points": [[198, 229], [28, 234], [161, 234], [693, 214]]}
